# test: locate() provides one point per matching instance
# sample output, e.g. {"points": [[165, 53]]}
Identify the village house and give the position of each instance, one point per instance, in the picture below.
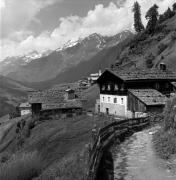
{"points": [[93, 77], [54, 103], [24, 108], [136, 92]]}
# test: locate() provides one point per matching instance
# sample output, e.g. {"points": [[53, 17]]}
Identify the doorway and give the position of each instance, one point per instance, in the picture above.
{"points": [[107, 111]]}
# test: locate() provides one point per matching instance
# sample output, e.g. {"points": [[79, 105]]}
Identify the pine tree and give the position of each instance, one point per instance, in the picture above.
{"points": [[137, 17], [174, 7], [152, 17], [167, 14]]}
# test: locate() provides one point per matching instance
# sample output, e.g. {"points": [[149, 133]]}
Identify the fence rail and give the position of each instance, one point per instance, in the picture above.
{"points": [[107, 135]]}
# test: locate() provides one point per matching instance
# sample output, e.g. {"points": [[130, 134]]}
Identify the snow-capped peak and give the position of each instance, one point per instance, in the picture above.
{"points": [[33, 55], [68, 44]]}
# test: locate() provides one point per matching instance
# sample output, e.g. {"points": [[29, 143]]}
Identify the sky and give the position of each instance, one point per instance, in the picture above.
{"points": [[41, 25]]}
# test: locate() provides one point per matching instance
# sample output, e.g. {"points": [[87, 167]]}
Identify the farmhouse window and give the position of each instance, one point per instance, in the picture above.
{"points": [[115, 100], [103, 87], [109, 87], [116, 86], [122, 87], [122, 100], [157, 86]]}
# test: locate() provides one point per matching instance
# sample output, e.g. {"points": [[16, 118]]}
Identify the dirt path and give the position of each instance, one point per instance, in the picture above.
{"points": [[135, 159]]}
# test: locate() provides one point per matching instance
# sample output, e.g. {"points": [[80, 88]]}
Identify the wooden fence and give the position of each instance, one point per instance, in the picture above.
{"points": [[108, 135]]}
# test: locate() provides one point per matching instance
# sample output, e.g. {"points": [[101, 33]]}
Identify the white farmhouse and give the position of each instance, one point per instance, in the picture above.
{"points": [[25, 108], [130, 93]]}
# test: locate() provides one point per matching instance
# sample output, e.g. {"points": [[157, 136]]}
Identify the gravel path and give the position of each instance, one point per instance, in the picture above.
{"points": [[135, 159]]}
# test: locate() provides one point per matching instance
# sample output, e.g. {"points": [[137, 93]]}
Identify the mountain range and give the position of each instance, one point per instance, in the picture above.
{"points": [[77, 60], [56, 63], [67, 64]]}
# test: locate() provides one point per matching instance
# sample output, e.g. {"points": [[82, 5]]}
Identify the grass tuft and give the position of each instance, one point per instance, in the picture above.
{"points": [[21, 167], [165, 143], [72, 167], [165, 139]]}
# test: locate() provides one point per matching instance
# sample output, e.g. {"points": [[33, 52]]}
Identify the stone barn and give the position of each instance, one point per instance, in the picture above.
{"points": [[54, 102]]}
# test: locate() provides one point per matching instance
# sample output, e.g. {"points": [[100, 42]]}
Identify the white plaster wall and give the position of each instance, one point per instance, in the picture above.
{"points": [[119, 108], [24, 112]]}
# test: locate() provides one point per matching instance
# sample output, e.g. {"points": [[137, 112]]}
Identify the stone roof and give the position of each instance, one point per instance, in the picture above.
{"points": [[149, 96], [63, 105], [53, 99], [69, 90], [51, 95], [174, 84], [25, 105], [149, 74]]}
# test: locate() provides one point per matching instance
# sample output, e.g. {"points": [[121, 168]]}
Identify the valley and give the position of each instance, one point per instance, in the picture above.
{"points": [[73, 122]]}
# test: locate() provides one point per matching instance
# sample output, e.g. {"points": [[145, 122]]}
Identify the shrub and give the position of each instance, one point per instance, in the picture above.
{"points": [[149, 60], [160, 37], [4, 157], [21, 167], [165, 139], [173, 36], [165, 143], [138, 38], [169, 115], [161, 48]]}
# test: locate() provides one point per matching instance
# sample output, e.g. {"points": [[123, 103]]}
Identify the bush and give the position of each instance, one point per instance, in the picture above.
{"points": [[4, 157], [165, 139], [149, 60], [21, 167], [137, 39], [173, 36], [161, 48], [165, 143], [169, 115], [160, 37]]}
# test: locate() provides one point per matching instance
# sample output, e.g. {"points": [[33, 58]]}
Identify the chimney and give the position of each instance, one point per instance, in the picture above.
{"points": [[162, 66]]}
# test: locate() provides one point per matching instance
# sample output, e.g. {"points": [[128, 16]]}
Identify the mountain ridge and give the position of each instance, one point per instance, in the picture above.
{"points": [[60, 60]]}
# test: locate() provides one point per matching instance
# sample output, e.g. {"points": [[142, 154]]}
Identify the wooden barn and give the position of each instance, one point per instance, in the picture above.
{"points": [[35, 98], [69, 94], [54, 102], [141, 101], [61, 110], [120, 90]]}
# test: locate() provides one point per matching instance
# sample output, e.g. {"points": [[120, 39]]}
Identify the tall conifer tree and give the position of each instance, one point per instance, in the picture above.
{"points": [[137, 17], [174, 6], [152, 17]]}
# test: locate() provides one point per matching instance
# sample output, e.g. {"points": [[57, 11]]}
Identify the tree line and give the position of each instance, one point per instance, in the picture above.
{"points": [[152, 16]]}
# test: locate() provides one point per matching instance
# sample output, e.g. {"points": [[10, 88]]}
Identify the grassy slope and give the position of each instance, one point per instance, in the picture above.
{"points": [[165, 138], [11, 93], [91, 94], [149, 45], [56, 140]]}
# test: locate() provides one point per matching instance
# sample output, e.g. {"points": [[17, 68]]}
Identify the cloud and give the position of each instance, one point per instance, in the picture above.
{"points": [[17, 14], [108, 21], [2, 4]]}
